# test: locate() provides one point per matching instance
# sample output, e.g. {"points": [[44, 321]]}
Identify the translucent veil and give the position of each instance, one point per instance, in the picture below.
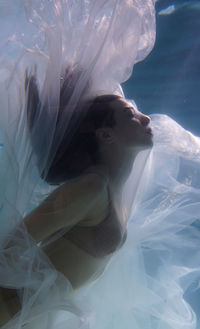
{"points": [[95, 44]]}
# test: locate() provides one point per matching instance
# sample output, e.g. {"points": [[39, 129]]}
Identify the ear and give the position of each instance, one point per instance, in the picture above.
{"points": [[105, 135]]}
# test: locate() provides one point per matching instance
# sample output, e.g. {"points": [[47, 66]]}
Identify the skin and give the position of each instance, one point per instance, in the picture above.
{"points": [[120, 145], [85, 199]]}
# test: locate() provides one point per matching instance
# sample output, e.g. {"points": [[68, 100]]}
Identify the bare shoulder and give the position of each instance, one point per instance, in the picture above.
{"points": [[66, 206], [90, 182]]}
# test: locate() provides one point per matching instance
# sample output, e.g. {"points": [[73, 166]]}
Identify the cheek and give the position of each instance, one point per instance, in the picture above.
{"points": [[128, 135], [133, 131], [135, 136]]}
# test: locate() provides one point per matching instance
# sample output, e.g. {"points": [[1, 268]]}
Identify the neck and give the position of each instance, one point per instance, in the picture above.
{"points": [[117, 163]]}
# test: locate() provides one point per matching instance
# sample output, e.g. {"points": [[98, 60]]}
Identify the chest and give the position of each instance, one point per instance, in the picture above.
{"points": [[103, 231], [106, 204]]}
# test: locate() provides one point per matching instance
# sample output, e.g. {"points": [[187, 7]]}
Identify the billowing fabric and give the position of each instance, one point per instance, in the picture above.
{"points": [[152, 281]]}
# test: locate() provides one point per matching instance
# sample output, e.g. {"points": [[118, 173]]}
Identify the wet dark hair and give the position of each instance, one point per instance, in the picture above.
{"points": [[71, 159]]}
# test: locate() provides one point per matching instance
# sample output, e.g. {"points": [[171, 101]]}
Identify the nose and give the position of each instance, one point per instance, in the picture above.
{"points": [[144, 120]]}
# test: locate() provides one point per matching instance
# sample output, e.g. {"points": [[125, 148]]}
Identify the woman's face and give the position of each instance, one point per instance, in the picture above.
{"points": [[132, 128]]}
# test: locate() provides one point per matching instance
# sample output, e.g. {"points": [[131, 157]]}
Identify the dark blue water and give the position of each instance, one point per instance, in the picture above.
{"points": [[168, 80]]}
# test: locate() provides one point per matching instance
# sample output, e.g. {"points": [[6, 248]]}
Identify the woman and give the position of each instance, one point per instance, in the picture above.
{"points": [[149, 281], [94, 197], [89, 205], [50, 37]]}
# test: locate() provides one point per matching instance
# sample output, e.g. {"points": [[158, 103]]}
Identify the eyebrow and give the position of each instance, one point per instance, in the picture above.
{"points": [[129, 108], [132, 108]]}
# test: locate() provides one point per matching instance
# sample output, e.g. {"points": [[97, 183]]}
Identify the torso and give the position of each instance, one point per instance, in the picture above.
{"points": [[82, 253], [76, 255], [102, 238]]}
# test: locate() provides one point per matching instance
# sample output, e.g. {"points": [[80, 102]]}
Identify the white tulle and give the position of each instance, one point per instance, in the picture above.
{"points": [[153, 281]]}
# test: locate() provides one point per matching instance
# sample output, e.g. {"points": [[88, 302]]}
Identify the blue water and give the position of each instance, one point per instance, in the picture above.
{"points": [[168, 80]]}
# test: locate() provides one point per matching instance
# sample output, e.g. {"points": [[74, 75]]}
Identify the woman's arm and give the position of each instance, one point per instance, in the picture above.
{"points": [[66, 206]]}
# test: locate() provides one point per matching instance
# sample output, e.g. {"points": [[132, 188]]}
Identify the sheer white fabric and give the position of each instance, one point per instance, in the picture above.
{"points": [[153, 281]]}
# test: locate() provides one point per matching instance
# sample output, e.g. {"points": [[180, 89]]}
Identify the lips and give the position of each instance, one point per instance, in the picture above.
{"points": [[149, 131]]}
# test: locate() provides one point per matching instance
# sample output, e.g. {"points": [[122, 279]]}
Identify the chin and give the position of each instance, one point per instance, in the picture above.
{"points": [[143, 144], [147, 145], [150, 144], [149, 141]]}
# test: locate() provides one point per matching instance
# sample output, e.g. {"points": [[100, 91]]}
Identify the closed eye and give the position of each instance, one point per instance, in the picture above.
{"points": [[130, 111]]}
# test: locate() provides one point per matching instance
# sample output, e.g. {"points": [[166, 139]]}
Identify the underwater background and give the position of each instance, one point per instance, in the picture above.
{"points": [[168, 80]]}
